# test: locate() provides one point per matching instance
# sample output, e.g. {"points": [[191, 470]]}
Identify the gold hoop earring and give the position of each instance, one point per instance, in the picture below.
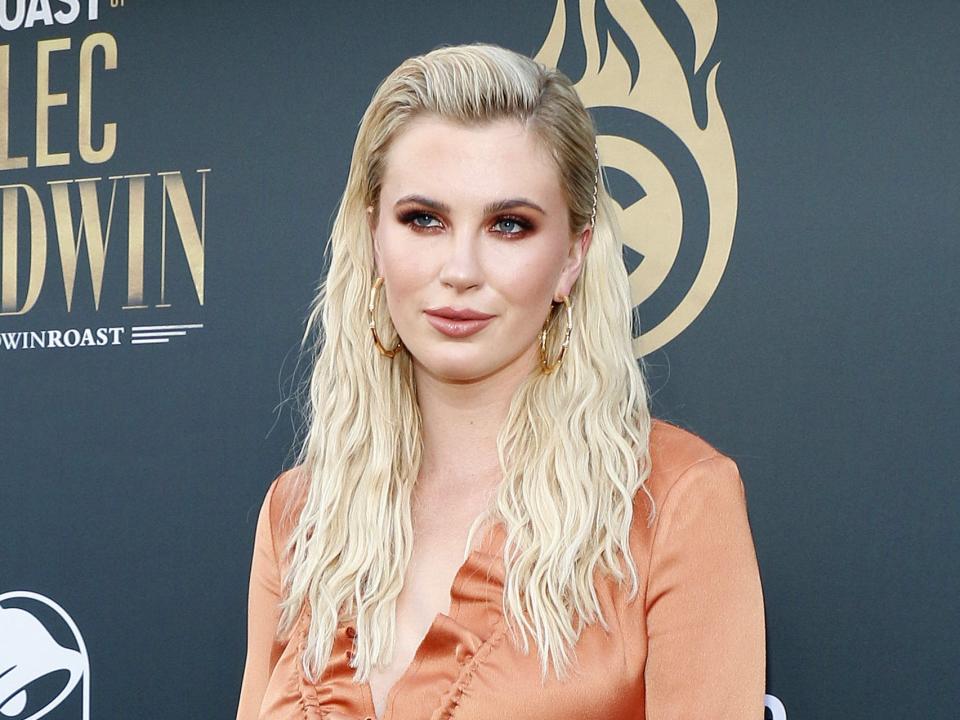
{"points": [[545, 366], [371, 310]]}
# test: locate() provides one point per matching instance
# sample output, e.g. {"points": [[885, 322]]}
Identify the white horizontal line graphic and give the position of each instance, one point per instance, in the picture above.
{"points": [[135, 328], [141, 341], [158, 333]]}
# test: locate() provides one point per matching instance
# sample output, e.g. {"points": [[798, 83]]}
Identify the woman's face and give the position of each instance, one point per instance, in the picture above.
{"points": [[472, 218]]}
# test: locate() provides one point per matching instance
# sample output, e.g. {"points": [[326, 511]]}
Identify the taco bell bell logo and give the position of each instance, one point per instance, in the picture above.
{"points": [[43, 658]]}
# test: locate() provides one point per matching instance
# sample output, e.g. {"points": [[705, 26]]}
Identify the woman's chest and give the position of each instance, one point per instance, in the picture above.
{"points": [[456, 659], [489, 679], [602, 686], [467, 667], [424, 596]]}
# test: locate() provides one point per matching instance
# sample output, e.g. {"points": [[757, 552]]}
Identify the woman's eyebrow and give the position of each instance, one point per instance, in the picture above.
{"points": [[489, 209], [502, 205]]}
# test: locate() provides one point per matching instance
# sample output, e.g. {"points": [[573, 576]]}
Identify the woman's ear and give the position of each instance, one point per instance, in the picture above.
{"points": [[573, 263]]}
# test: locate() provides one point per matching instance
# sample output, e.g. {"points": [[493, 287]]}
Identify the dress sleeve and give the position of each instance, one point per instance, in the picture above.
{"points": [[263, 614], [706, 653]]}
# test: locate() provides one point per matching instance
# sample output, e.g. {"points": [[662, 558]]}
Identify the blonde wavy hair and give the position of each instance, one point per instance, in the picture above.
{"points": [[573, 448]]}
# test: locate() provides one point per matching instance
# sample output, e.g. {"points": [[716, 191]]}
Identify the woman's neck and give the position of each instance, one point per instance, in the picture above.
{"points": [[461, 421]]}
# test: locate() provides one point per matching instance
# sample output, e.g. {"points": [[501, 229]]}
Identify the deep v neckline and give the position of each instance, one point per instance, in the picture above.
{"points": [[473, 559]]}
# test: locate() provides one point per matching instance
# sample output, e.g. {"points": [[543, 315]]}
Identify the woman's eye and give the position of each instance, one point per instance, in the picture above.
{"points": [[424, 216], [419, 220], [512, 226], [506, 226], [423, 220]]}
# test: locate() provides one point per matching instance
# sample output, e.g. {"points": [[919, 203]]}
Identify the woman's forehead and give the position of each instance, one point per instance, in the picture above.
{"points": [[502, 156]]}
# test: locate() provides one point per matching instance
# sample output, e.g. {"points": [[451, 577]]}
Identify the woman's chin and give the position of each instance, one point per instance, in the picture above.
{"points": [[458, 362], [463, 363]]}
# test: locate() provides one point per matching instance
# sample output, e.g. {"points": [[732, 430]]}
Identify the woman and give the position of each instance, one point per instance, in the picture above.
{"points": [[480, 468]]}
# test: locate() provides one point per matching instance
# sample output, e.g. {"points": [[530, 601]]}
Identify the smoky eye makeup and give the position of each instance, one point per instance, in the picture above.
{"points": [[511, 225], [520, 226], [412, 216]]}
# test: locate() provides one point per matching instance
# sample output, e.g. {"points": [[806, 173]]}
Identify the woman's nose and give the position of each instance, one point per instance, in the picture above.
{"points": [[461, 269]]}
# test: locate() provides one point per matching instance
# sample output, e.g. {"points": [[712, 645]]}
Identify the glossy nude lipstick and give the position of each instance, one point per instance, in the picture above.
{"points": [[457, 323]]}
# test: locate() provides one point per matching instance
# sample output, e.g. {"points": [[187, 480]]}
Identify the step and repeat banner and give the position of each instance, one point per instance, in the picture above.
{"points": [[786, 177]]}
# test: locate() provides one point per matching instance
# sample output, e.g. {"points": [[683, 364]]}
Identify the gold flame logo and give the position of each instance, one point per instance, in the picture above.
{"points": [[653, 225]]}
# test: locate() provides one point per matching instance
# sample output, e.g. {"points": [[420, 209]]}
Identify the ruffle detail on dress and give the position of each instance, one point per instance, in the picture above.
{"points": [[476, 596], [335, 694], [450, 701]]}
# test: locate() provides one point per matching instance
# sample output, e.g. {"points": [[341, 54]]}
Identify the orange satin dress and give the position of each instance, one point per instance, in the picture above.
{"points": [[689, 646]]}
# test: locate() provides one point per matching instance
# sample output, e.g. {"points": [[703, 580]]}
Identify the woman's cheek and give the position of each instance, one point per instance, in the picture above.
{"points": [[529, 281], [403, 263]]}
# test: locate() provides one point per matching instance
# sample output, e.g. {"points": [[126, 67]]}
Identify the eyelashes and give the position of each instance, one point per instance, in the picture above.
{"points": [[411, 216], [422, 221]]}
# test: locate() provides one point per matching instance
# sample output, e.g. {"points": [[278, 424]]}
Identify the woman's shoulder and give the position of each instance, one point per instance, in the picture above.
{"points": [[699, 504], [673, 448], [678, 455], [283, 502]]}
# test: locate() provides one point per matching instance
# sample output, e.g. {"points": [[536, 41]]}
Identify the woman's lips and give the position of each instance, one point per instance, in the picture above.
{"points": [[458, 327]]}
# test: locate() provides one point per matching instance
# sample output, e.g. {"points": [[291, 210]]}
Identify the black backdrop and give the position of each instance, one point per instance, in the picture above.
{"points": [[825, 363]]}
